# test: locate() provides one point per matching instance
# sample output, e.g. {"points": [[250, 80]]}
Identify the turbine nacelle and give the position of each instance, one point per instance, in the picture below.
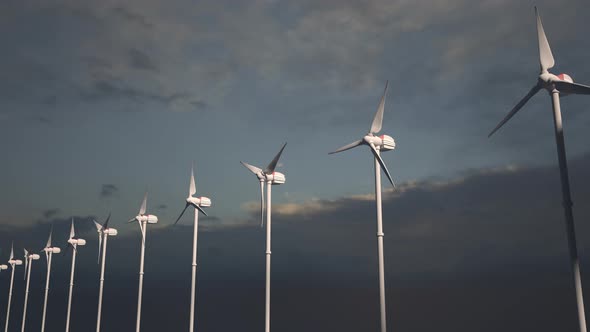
{"points": [[382, 142], [3, 267], [199, 201], [77, 242], [34, 257], [15, 262], [53, 250], [275, 178], [148, 218], [110, 231]]}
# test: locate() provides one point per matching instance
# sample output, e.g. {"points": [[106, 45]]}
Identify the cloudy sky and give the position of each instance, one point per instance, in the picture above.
{"points": [[102, 100]]}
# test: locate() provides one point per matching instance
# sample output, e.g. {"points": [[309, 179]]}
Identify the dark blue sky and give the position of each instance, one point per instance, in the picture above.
{"points": [[101, 100]]}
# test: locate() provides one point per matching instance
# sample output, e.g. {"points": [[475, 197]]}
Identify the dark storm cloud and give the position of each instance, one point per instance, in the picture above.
{"points": [[50, 213], [492, 236], [115, 90], [127, 14], [108, 190], [141, 60]]}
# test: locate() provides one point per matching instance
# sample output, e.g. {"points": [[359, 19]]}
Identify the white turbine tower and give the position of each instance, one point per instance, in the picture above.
{"points": [[271, 178], [49, 251], [12, 262], [29, 258], [74, 242], [556, 85], [198, 203], [378, 144], [103, 235], [142, 220]]}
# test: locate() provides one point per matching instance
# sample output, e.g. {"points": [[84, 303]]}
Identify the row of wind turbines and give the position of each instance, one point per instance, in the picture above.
{"points": [[556, 85]]}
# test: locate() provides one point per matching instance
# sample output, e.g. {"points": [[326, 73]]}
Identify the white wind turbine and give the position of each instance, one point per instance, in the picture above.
{"points": [[142, 220], [49, 251], [104, 231], [74, 242], [271, 178], [12, 262], [556, 85], [198, 203], [378, 144], [29, 258]]}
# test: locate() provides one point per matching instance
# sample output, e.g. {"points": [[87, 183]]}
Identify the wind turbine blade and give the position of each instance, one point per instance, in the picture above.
{"points": [[545, 56], [572, 88], [181, 213], [132, 220], [11, 251], [252, 169], [48, 245], [383, 167], [106, 223], [378, 119], [26, 262], [99, 247], [72, 232], [201, 210], [261, 203], [142, 232], [516, 108], [348, 146], [273, 164], [192, 188], [143, 204], [98, 226]]}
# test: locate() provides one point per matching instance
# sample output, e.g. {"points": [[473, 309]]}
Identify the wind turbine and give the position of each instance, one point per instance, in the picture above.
{"points": [[198, 203], [104, 231], [556, 85], [271, 177], [29, 258], [74, 242], [142, 219], [49, 251], [12, 262], [378, 144]]}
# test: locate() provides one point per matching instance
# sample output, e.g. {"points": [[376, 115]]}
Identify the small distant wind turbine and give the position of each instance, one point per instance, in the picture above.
{"points": [[271, 177], [12, 262], [49, 251], [104, 231], [556, 85], [378, 144], [142, 220], [29, 258], [74, 242], [198, 203]]}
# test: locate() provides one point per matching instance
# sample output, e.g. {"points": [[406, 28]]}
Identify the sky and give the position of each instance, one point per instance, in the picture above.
{"points": [[103, 100]]}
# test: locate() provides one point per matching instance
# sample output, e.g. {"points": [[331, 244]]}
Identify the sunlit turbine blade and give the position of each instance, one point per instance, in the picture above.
{"points": [[201, 209], [181, 213], [378, 119], [72, 232], [572, 88], [261, 203], [383, 167], [252, 169], [98, 226], [348, 146], [99, 247], [132, 220], [48, 245], [516, 108], [143, 204], [142, 232], [273, 164], [193, 187], [545, 56], [11, 251]]}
